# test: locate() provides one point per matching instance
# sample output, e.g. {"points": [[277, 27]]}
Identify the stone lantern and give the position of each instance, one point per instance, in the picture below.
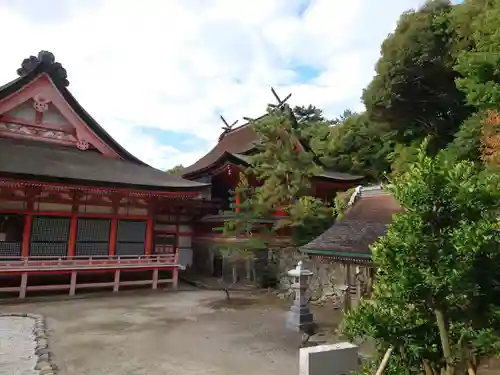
{"points": [[299, 317]]}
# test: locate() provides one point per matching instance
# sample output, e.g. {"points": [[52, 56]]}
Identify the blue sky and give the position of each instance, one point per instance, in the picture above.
{"points": [[157, 74]]}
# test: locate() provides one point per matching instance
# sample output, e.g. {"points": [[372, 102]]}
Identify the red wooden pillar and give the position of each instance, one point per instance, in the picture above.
{"points": [[25, 247], [72, 236], [28, 218], [177, 231], [238, 201], [280, 212], [116, 199], [149, 235], [112, 236]]}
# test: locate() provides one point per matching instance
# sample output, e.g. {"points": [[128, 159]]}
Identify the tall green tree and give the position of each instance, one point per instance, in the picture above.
{"points": [[356, 145], [479, 66], [284, 169], [414, 89], [175, 170], [281, 164], [436, 299], [475, 21], [467, 142]]}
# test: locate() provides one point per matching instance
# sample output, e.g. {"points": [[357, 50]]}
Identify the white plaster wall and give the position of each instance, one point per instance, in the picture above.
{"points": [[95, 209], [186, 257], [54, 116], [8, 205], [165, 227], [184, 241], [132, 211], [24, 111], [41, 206]]}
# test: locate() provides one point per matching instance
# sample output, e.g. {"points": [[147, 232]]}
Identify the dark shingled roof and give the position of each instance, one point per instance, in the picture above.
{"points": [[32, 160], [235, 144], [364, 221], [238, 141]]}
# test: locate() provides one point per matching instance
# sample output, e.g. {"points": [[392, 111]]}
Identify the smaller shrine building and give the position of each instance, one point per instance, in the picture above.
{"points": [[345, 247]]}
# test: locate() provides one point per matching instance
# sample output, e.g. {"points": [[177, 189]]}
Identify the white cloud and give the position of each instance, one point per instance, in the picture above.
{"points": [[177, 64]]}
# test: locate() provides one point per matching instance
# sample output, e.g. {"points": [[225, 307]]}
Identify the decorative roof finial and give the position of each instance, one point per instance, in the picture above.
{"points": [[226, 128], [49, 65]]}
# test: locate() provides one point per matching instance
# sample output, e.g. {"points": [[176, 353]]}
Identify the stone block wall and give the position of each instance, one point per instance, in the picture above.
{"points": [[327, 276]]}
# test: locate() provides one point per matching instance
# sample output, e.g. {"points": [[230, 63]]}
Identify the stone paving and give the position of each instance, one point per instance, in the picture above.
{"points": [[24, 345]]}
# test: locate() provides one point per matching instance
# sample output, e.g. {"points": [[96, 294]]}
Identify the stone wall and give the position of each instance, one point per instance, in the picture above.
{"points": [[327, 276], [325, 285]]}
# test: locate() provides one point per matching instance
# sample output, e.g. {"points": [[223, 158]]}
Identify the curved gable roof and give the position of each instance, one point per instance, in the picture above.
{"points": [[237, 141], [43, 68]]}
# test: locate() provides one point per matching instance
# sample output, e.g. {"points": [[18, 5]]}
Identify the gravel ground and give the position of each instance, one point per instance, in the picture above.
{"points": [[17, 346], [183, 333], [141, 333]]}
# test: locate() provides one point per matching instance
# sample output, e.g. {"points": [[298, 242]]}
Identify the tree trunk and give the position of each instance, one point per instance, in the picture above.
{"points": [[471, 369], [445, 342], [428, 369], [384, 362], [224, 288]]}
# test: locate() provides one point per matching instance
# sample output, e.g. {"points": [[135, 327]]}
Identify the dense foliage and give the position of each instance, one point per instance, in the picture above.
{"points": [[438, 75], [437, 78], [437, 83], [175, 170], [436, 299]]}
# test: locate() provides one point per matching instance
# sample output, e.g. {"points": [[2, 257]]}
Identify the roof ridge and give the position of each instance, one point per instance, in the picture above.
{"points": [[248, 123]]}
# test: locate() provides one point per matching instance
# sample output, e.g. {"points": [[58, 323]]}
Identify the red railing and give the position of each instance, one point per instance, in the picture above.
{"points": [[76, 264], [16, 264]]}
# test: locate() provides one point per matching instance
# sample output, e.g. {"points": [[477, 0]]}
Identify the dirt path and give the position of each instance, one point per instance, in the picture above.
{"points": [[183, 333]]}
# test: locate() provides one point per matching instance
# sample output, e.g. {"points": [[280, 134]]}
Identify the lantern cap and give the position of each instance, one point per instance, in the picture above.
{"points": [[299, 271]]}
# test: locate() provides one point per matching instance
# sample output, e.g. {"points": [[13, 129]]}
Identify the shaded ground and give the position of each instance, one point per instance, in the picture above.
{"points": [[182, 333]]}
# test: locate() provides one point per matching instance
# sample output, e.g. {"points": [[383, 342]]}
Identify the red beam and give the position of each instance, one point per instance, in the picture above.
{"points": [[69, 214], [98, 189], [181, 234], [41, 125]]}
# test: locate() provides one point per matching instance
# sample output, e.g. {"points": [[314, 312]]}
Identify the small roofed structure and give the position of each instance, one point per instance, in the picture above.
{"points": [[348, 240]]}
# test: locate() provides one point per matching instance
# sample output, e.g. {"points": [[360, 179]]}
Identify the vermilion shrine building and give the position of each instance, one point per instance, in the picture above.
{"points": [[221, 167], [78, 211], [73, 201]]}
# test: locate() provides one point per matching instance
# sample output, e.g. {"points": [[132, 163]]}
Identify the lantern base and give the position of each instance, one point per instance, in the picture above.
{"points": [[299, 318]]}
